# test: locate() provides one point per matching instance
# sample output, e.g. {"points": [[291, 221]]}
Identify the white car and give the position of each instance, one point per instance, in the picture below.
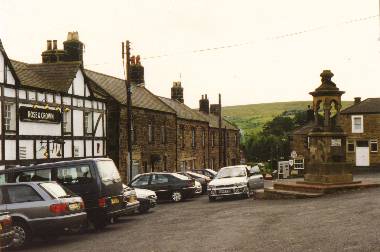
{"points": [[198, 188], [234, 181]]}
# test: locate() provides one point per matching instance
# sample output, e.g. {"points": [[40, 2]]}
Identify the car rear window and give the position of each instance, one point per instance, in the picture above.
{"points": [[108, 171], [182, 177], [80, 174], [55, 190]]}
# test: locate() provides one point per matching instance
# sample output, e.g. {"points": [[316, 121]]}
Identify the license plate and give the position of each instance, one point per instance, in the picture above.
{"points": [[224, 191], [132, 199], [74, 206], [115, 201]]}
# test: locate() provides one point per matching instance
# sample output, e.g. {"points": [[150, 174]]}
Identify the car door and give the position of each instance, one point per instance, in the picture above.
{"points": [[24, 200], [3, 207], [160, 184]]}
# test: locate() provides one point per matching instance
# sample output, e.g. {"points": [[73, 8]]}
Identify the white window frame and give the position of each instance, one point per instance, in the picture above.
{"points": [[351, 142], [66, 122], [9, 116], [373, 141], [354, 130], [87, 117]]}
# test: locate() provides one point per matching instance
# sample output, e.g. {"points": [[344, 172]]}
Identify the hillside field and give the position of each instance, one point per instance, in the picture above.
{"points": [[251, 118]]}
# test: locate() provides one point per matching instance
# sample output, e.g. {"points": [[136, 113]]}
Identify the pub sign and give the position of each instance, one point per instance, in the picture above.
{"points": [[30, 114]]}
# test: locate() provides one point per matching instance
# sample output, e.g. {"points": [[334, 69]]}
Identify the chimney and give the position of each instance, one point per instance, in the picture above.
{"points": [[357, 100], [204, 105], [48, 47], [73, 48], [55, 44], [177, 92], [136, 71], [215, 109]]}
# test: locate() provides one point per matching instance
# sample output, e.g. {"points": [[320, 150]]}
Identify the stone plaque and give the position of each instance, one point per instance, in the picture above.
{"points": [[336, 142]]}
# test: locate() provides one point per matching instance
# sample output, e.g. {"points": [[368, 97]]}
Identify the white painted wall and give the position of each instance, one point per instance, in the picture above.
{"points": [[98, 148], [88, 148], [41, 149], [28, 145], [78, 122], [79, 145], [10, 151], [68, 150], [99, 130], [36, 129], [79, 84], [22, 94], [9, 92], [1, 68]]}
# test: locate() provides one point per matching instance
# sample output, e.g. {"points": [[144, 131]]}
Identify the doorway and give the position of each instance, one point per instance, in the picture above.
{"points": [[362, 153]]}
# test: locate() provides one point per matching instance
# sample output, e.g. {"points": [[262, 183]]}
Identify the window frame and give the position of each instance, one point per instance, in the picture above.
{"points": [[88, 122], [66, 120], [350, 142], [373, 141], [353, 128], [10, 126], [193, 137]]}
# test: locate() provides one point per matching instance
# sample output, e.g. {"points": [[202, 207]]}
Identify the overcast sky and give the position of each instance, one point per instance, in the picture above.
{"points": [[261, 70]]}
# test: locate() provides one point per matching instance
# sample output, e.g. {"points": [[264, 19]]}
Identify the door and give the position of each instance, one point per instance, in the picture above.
{"points": [[362, 156], [160, 184]]}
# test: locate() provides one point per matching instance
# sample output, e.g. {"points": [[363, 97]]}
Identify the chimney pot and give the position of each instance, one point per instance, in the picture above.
{"points": [[357, 100], [48, 45]]}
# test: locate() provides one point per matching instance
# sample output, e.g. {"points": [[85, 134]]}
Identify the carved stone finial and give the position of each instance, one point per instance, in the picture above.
{"points": [[326, 76]]}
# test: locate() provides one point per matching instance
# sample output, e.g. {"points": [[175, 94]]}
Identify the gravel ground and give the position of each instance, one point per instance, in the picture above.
{"points": [[338, 222]]}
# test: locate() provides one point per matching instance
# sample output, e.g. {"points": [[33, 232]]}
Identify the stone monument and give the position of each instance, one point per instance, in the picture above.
{"points": [[327, 140]]}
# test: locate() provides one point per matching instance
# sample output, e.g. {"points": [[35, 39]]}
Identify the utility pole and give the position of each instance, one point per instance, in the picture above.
{"points": [[220, 132], [126, 62]]}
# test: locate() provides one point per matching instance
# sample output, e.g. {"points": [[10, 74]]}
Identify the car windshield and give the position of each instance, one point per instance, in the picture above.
{"points": [[56, 190], [108, 171], [231, 172]]}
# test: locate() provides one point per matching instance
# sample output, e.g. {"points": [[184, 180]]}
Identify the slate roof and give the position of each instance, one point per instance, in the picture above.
{"points": [[183, 111], [141, 97], [214, 121], [368, 106], [304, 130], [53, 76]]}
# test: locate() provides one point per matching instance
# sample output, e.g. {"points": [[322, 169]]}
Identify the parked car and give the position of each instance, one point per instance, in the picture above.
{"points": [[207, 172], [234, 181], [167, 186], [202, 179], [198, 188], [96, 180], [6, 230], [43, 209], [147, 199]]}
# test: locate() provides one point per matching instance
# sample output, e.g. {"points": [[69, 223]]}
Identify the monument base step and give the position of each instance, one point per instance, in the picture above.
{"points": [[271, 193]]}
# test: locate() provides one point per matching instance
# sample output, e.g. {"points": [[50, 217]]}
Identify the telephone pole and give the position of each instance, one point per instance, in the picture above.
{"points": [[126, 62]]}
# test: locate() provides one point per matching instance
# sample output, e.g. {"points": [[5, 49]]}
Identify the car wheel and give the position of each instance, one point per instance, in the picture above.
{"points": [[143, 209], [22, 236], [211, 198], [176, 196]]}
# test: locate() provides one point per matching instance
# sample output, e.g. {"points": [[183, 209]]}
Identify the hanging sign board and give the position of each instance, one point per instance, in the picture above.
{"points": [[30, 114]]}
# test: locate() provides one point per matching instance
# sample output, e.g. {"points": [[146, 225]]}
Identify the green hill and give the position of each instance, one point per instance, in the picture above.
{"points": [[251, 118]]}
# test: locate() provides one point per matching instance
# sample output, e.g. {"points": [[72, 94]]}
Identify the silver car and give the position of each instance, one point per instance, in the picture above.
{"points": [[43, 209]]}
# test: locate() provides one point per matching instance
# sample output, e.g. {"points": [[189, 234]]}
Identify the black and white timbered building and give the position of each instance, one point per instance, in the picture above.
{"points": [[50, 111]]}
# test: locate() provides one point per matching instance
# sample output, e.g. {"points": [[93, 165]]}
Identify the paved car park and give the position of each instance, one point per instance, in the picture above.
{"points": [[337, 222]]}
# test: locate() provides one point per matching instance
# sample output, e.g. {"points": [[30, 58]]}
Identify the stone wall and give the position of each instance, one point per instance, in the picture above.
{"points": [[371, 123], [189, 156]]}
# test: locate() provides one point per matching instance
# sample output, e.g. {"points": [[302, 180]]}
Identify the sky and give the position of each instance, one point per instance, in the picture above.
{"points": [[340, 35]]}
